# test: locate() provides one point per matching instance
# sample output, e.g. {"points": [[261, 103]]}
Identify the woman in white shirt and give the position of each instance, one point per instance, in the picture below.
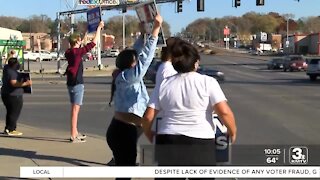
{"points": [[185, 135]]}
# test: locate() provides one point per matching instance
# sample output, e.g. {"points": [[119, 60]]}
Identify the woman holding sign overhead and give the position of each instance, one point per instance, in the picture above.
{"points": [[131, 97]]}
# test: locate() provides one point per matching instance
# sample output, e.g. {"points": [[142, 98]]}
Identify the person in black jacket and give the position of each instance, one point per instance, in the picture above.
{"points": [[11, 94]]}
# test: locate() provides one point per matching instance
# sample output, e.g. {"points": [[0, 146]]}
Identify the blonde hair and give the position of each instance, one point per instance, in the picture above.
{"points": [[74, 38]]}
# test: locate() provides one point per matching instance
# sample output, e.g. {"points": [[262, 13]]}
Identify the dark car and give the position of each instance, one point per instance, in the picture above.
{"points": [[218, 75], [152, 72], [276, 63], [294, 63]]}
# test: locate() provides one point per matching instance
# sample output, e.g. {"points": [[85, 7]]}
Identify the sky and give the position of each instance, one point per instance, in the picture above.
{"points": [[177, 21]]}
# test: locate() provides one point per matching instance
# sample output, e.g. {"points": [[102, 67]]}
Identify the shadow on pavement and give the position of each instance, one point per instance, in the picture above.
{"points": [[36, 138], [13, 178], [34, 156]]}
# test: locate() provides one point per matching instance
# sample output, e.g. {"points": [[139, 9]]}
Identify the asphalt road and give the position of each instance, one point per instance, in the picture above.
{"points": [[271, 107], [51, 66]]}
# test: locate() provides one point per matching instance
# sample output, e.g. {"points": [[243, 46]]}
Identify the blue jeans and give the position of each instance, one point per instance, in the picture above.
{"points": [[76, 94]]}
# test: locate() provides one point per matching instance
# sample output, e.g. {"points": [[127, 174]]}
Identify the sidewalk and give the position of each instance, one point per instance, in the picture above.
{"points": [[43, 147]]}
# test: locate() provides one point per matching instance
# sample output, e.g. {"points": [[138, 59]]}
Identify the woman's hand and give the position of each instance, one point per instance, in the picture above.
{"points": [[157, 24], [158, 20], [29, 83]]}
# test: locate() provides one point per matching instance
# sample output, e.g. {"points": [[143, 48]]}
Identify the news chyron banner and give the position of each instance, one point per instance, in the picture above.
{"points": [[99, 2], [93, 18], [146, 13]]}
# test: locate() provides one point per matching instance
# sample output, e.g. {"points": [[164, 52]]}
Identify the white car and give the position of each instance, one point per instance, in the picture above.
{"points": [[313, 69], [37, 55], [113, 52], [54, 55]]}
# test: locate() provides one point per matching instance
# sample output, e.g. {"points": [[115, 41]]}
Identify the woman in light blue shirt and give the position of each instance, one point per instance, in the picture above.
{"points": [[131, 97]]}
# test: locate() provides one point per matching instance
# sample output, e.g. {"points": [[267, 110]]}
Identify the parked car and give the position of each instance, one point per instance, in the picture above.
{"points": [[294, 63], [276, 63], [152, 71], [54, 55], [110, 53], [37, 55], [313, 69]]}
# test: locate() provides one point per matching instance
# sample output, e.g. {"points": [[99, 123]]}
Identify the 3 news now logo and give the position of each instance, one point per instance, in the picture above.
{"points": [[298, 155]]}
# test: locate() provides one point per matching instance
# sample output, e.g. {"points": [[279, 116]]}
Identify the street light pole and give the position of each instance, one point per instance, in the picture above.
{"points": [[288, 17], [123, 31]]}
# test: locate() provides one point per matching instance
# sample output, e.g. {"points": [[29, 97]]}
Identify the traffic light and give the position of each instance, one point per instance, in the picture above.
{"points": [[237, 3], [200, 5], [179, 6], [260, 2]]}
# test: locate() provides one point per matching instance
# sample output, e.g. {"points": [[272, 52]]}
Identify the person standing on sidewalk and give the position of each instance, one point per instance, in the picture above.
{"points": [[74, 74], [131, 97], [185, 135], [11, 94]]}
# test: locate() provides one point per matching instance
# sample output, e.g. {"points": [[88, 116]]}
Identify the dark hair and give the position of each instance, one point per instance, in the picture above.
{"points": [[166, 51], [126, 58], [184, 57], [115, 73], [12, 62]]}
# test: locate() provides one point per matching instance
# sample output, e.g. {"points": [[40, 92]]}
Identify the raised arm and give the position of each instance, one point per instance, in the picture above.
{"points": [[90, 45], [146, 55], [98, 32]]}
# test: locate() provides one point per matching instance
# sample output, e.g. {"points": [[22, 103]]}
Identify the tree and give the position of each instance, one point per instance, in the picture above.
{"points": [[312, 24], [10, 22]]}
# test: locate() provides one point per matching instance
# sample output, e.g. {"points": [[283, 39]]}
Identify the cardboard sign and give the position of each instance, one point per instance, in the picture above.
{"points": [[146, 13], [93, 18], [223, 145]]}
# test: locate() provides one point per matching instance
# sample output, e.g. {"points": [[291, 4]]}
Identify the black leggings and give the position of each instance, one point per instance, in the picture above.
{"points": [[180, 150], [13, 105], [122, 139]]}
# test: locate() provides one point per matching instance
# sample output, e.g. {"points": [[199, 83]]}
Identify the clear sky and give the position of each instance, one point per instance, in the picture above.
{"points": [[213, 9]]}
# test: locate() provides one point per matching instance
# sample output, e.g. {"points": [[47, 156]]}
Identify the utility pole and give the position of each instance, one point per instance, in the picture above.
{"points": [[123, 30], [288, 17]]}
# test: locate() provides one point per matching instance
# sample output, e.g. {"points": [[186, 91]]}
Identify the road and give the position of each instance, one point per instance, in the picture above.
{"points": [[271, 107], [51, 66]]}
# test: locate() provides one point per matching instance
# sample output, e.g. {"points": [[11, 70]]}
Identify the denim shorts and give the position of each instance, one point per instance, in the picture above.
{"points": [[76, 94]]}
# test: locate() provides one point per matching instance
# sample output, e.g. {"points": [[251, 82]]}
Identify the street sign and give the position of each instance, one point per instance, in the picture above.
{"points": [[226, 31], [264, 36], [12, 43], [226, 39], [287, 43], [93, 18]]}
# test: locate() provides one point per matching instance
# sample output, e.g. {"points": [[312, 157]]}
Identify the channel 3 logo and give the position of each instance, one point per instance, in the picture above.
{"points": [[298, 155]]}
